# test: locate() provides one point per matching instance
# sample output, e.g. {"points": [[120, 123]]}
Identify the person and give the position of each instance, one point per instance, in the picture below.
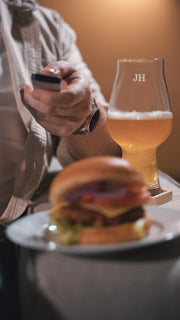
{"points": [[36, 124]]}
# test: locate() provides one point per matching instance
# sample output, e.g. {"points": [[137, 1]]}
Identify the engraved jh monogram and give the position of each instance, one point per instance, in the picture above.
{"points": [[140, 77]]}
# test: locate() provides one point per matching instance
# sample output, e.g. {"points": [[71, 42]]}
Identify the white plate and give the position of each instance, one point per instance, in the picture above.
{"points": [[28, 231]]}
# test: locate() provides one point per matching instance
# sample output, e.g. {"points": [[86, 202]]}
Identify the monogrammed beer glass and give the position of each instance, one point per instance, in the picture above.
{"points": [[140, 116]]}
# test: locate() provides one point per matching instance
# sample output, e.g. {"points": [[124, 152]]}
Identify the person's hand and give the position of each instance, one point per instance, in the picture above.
{"points": [[61, 112]]}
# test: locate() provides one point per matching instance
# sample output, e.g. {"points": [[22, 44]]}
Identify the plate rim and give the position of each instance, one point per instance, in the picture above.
{"points": [[41, 245]]}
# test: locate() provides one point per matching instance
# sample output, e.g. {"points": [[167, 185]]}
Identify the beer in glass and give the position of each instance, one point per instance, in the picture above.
{"points": [[140, 116]]}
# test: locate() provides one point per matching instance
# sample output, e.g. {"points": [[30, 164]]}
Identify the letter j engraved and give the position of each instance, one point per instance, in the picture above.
{"points": [[140, 77]]}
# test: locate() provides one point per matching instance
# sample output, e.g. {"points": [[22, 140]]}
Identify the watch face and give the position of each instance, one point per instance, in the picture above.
{"points": [[90, 122], [94, 120]]}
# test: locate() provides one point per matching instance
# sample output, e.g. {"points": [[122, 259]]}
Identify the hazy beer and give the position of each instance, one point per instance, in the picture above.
{"points": [[139, 134]]}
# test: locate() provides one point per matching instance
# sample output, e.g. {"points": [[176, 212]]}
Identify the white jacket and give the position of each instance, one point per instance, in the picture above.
{"points": [[33, 37]]}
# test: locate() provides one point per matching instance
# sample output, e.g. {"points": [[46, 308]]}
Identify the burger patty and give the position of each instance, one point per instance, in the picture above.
{"points": [[90, 217]]}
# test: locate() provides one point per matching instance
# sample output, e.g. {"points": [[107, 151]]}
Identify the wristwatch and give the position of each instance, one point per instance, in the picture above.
{"points": [[91, 121]]}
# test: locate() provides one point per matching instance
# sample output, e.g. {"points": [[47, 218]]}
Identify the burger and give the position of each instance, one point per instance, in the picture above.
{"points": [[98, 200]]}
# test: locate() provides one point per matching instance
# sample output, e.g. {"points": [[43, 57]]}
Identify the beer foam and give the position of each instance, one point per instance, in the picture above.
{"points": [[134, 115]]}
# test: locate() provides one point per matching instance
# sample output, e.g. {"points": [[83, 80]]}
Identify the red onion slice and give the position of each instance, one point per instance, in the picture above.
{"points": [[99, 190]]}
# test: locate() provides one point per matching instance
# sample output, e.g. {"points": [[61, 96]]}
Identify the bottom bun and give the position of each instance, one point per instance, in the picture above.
{"points": [[119, 233]]}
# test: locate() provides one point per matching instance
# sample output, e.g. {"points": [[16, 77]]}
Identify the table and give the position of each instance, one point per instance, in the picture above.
{"points": [[142, 284]]}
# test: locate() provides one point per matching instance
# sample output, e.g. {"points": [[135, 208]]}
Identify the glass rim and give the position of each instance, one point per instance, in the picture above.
{"points": [[139, 59]]}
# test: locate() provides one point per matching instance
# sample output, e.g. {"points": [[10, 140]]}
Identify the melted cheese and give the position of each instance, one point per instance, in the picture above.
{"points": [[56, 210], [139, 228], [108, 211]]}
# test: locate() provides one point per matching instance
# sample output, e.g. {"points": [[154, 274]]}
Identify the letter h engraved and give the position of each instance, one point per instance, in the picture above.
{"points": [[140, 77]]}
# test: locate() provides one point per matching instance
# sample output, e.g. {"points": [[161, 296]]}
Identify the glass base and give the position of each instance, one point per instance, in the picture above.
{"points": [[155, 191]]}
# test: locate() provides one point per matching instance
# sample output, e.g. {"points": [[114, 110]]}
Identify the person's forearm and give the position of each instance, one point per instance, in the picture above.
{"points": [[98, 142]]}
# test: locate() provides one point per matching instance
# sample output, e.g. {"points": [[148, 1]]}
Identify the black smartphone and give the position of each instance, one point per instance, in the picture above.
{"points": [[46, 81]]}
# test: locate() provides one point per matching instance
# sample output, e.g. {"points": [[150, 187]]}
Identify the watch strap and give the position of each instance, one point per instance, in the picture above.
{"points": [[90, 122]]}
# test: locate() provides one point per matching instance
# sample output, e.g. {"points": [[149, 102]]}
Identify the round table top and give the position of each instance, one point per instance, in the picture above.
{"points": [[143, 283]]}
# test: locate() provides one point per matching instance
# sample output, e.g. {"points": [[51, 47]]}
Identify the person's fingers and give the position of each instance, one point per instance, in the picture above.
{"points": [[66, 98], [59, 68], [44, 104], [60, 126], [61, 112]]}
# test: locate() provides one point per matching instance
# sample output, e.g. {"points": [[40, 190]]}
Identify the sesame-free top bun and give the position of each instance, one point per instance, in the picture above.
{"points": [[98, 168]]}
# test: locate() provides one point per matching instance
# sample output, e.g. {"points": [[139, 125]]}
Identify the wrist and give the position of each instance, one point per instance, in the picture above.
{"points": [[90, 122]]}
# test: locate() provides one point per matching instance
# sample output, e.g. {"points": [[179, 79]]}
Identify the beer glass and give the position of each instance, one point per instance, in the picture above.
{"points": [[140, 116]]}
